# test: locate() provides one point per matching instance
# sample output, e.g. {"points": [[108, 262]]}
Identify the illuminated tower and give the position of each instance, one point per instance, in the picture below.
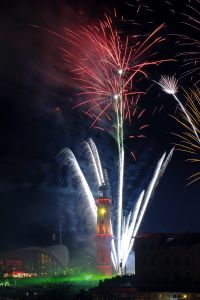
{"points": [[103, 232]]}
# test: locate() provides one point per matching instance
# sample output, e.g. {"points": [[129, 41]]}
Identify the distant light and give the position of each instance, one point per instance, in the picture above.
{"points": [[120, 71], [116, 96], [57, 109], [184, 296]]}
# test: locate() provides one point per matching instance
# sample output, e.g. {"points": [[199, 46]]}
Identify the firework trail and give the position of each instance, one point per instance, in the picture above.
{"points": [[90, 148], [130, 224], [170, 86], [142, 203], [165, 163], [67, 158], [188, 139], [106, 65], [113, 251], [97, 160], [186, 14], [129, 228], [191, 57]]}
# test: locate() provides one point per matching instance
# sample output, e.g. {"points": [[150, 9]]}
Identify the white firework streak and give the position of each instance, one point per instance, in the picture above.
{"points": [[126, 238], [97, 159], [149, 192], [128, 222], [131, 224], [113, 261], [67, 157], [120, 203], [166, 162], [170, 86], [93, 163], [113, 250], [160, 168]]}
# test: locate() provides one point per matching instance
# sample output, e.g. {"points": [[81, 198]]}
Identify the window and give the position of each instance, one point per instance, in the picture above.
{"points": [[176, 261], [187, 261], [187, 276], [151, 246], [176, 277], [144, 261], [166, 276], [166, 261], [151, 261]]}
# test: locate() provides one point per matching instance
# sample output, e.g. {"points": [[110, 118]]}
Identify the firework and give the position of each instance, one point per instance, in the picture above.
{"points": [[95, 165], [169, 85], [67, 158], [191, 58], [131, 223], [142, 203], [188, 140], [106, 65]]}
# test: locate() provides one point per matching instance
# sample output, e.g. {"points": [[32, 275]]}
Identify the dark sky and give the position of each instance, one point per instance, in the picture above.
{"points": [[34, 190]]}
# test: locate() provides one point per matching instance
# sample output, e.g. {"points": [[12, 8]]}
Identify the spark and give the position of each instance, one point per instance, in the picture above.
{"points": [[131, 224], [191, 58], [188, 141], [169, 85], [116, 97], [106, 64], [97, 160], [67, 158], [93, 164], [144, 198]]}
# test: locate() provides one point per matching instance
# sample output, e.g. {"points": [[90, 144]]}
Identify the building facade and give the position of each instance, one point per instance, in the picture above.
{"points": [[167, 260], [36, 260]]}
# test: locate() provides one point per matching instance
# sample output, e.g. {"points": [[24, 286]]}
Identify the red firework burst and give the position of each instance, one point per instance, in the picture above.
{"points": [[106, 64]]}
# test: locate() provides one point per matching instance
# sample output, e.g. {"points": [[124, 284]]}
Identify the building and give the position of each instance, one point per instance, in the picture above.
{"points": [[167, 267], [168, 261], [103, 232], [36, 260], [7, 265], [131, 293], [123, 287]]}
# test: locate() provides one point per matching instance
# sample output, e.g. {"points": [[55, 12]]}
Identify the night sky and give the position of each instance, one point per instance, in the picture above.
{"points": [[37, 121]]}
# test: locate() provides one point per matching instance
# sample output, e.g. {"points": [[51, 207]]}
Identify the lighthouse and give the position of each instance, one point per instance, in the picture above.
{"points": [[103, 232]]}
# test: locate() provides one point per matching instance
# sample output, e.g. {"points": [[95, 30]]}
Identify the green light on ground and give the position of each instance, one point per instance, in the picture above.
{"points": [[85, 279]]}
